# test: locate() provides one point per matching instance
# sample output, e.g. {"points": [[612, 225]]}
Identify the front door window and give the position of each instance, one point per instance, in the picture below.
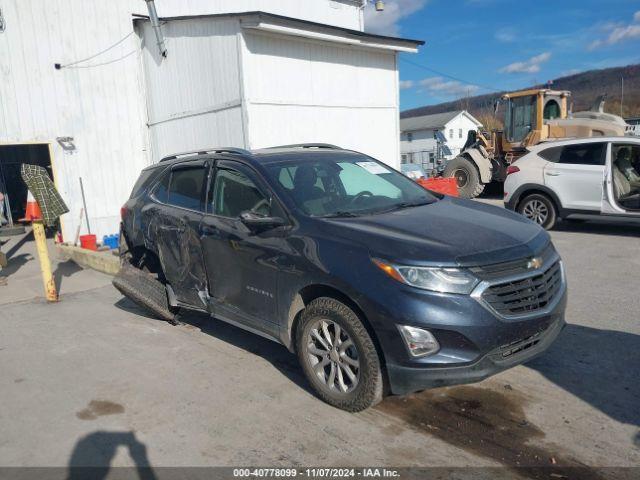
{"points": [[235, 193]]}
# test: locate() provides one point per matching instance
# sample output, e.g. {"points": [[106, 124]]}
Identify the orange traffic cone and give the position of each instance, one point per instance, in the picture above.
{"points": [[32, 212]]}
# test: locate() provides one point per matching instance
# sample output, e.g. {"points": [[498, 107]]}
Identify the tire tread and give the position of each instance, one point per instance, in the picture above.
{"points": [[373, 386]]}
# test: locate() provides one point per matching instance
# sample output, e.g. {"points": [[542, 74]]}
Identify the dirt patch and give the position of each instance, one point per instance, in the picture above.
{"points": [[99, 408], [489, 423]]}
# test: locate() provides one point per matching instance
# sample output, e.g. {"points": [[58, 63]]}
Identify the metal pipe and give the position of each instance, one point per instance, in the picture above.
{"points": [[84, 204], [155, 24]]}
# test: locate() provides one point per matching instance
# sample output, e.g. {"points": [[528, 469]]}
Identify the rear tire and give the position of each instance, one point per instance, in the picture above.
{"points": [[540, 209], [338, 356], [466, 175], [145, 290]]}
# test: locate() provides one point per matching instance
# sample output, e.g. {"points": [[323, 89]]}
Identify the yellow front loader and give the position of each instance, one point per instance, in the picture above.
{"points": [[530, 117]]}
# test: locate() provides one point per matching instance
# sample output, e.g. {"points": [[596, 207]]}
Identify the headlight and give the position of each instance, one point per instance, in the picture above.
{"points": [[445, 280], [419, 341]]}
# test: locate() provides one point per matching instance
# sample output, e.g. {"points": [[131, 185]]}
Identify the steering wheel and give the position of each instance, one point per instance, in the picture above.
{"points": [[364, 193]]}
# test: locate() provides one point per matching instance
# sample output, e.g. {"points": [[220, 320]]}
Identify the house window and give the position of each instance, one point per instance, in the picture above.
{"points": [[460, 133], [435, 134], [409, 136], [451, 133]]}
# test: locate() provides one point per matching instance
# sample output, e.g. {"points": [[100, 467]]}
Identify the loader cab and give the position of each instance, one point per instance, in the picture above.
{"points": [[526, 113]]}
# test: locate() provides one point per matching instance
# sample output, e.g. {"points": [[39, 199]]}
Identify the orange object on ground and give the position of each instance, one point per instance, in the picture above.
{"points": [[446, 186], [32, 211], [89, 242]]}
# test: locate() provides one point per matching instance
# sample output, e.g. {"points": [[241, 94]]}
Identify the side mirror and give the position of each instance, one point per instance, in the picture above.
{"points": [[255, 222]]}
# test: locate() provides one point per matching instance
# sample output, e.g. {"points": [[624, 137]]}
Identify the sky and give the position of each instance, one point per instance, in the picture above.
{"points": [[482, 46]]}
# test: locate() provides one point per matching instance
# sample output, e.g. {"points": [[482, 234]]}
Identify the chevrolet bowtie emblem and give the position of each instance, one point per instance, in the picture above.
{"points": [[534, 263]]}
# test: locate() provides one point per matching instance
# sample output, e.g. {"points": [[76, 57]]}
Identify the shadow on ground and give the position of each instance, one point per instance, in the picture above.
{"points": [[601, 367], [65, 270], [276, 354], [599, 227], [15, 262], [92, 455]]}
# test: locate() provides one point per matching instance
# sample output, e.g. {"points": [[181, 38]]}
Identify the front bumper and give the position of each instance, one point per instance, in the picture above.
{"points": [[404, 380], [510, 202], [476, 341]]}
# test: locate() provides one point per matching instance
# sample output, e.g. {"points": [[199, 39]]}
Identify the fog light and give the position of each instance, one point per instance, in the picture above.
{"points": [[419, 341]]}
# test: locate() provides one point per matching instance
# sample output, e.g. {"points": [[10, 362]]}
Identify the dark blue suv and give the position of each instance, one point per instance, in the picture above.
{"points": [[377, 284]]}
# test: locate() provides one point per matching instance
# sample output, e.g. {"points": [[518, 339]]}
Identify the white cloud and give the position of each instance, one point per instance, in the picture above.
{"points": [[506, 35], [531, 65], [405, 84], [439, 86], [386, 22], [618, 33]]}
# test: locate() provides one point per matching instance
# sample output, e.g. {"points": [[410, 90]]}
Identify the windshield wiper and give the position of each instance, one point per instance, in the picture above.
{"points": [[340, 214], [403, 205]]}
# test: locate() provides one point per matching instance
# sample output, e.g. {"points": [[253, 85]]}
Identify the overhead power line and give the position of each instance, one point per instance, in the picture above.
{"points": [[451, 77], [67, 65]]}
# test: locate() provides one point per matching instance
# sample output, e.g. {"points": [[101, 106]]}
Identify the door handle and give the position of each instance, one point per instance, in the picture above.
{"points": [[552, 174]]}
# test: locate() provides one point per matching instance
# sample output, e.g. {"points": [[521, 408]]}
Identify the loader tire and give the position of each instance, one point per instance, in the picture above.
{"points": [[144, 290], [466, 175]]}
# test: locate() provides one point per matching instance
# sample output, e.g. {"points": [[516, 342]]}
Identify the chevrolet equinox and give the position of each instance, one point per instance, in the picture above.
{"points": [[376, 284]]}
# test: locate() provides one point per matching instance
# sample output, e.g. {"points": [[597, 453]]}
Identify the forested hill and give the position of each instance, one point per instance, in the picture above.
{"points": [[585, 87]]}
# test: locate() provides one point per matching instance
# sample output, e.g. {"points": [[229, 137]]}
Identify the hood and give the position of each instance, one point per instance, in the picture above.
{"points": [[450, 231]]}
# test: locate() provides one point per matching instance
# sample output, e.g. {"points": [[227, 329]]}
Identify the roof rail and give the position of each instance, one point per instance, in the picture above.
{"points": [[205, 151], [327, 146]]}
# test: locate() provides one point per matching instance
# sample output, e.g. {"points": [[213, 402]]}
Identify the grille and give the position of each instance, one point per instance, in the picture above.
{"points": [[515, 267], [525, 296]]}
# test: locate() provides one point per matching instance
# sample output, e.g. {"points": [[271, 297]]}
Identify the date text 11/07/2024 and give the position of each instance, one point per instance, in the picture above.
{"points": [[316, 472]]}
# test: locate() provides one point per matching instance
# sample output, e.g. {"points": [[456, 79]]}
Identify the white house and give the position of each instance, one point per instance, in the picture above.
{"points": [[85, 92], [419, 140]]}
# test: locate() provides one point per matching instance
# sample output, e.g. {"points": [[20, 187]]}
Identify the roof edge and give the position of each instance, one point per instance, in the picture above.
{"points": [[273, 16]]}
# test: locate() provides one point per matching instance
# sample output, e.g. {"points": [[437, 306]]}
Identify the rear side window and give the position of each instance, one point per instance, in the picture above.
{"points": [[161, 191], [582, 154], [185, 189], [143, 182]]}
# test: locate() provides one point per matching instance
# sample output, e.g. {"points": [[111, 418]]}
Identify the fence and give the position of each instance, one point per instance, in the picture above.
{"points": [[429, 160]]}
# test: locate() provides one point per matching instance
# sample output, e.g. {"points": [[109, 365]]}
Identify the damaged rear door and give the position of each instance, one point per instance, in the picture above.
{"points": [[177, 238]]}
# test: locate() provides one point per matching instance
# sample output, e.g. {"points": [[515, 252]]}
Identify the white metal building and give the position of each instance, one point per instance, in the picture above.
{"points": [[85, 81], [418, 134]]}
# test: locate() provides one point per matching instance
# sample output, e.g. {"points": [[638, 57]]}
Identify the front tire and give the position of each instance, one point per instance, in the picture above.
{"points": [[540, 209], [466, 175], [338, 356]]}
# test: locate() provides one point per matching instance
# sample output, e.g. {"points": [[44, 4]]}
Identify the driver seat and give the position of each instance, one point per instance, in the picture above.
{"points": [[304, 184]]}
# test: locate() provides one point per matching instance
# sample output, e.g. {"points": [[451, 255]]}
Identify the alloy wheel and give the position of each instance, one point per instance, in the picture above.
{"points": [[537, 211], [333, 356]]}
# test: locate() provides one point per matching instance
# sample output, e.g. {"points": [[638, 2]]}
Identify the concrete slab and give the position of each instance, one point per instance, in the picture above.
{"points": [[24, 280]]}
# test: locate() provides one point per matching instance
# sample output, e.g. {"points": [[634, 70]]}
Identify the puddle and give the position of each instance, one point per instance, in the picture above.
{"points": [[99, 408], [485, 422]]}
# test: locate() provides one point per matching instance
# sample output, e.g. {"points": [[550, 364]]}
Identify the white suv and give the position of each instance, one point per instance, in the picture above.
{"points": [[593, 176]]}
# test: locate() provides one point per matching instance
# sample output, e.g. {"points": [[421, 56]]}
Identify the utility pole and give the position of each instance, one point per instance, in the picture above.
{"points": [[621, 94]]}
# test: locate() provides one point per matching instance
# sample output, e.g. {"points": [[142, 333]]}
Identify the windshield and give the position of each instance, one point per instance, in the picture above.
{"points": [[347, 186]]}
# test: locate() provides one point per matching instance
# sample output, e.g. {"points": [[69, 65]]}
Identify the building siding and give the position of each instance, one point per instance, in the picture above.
{"points": [[98, 105], [328, 93], [194, 95]]}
